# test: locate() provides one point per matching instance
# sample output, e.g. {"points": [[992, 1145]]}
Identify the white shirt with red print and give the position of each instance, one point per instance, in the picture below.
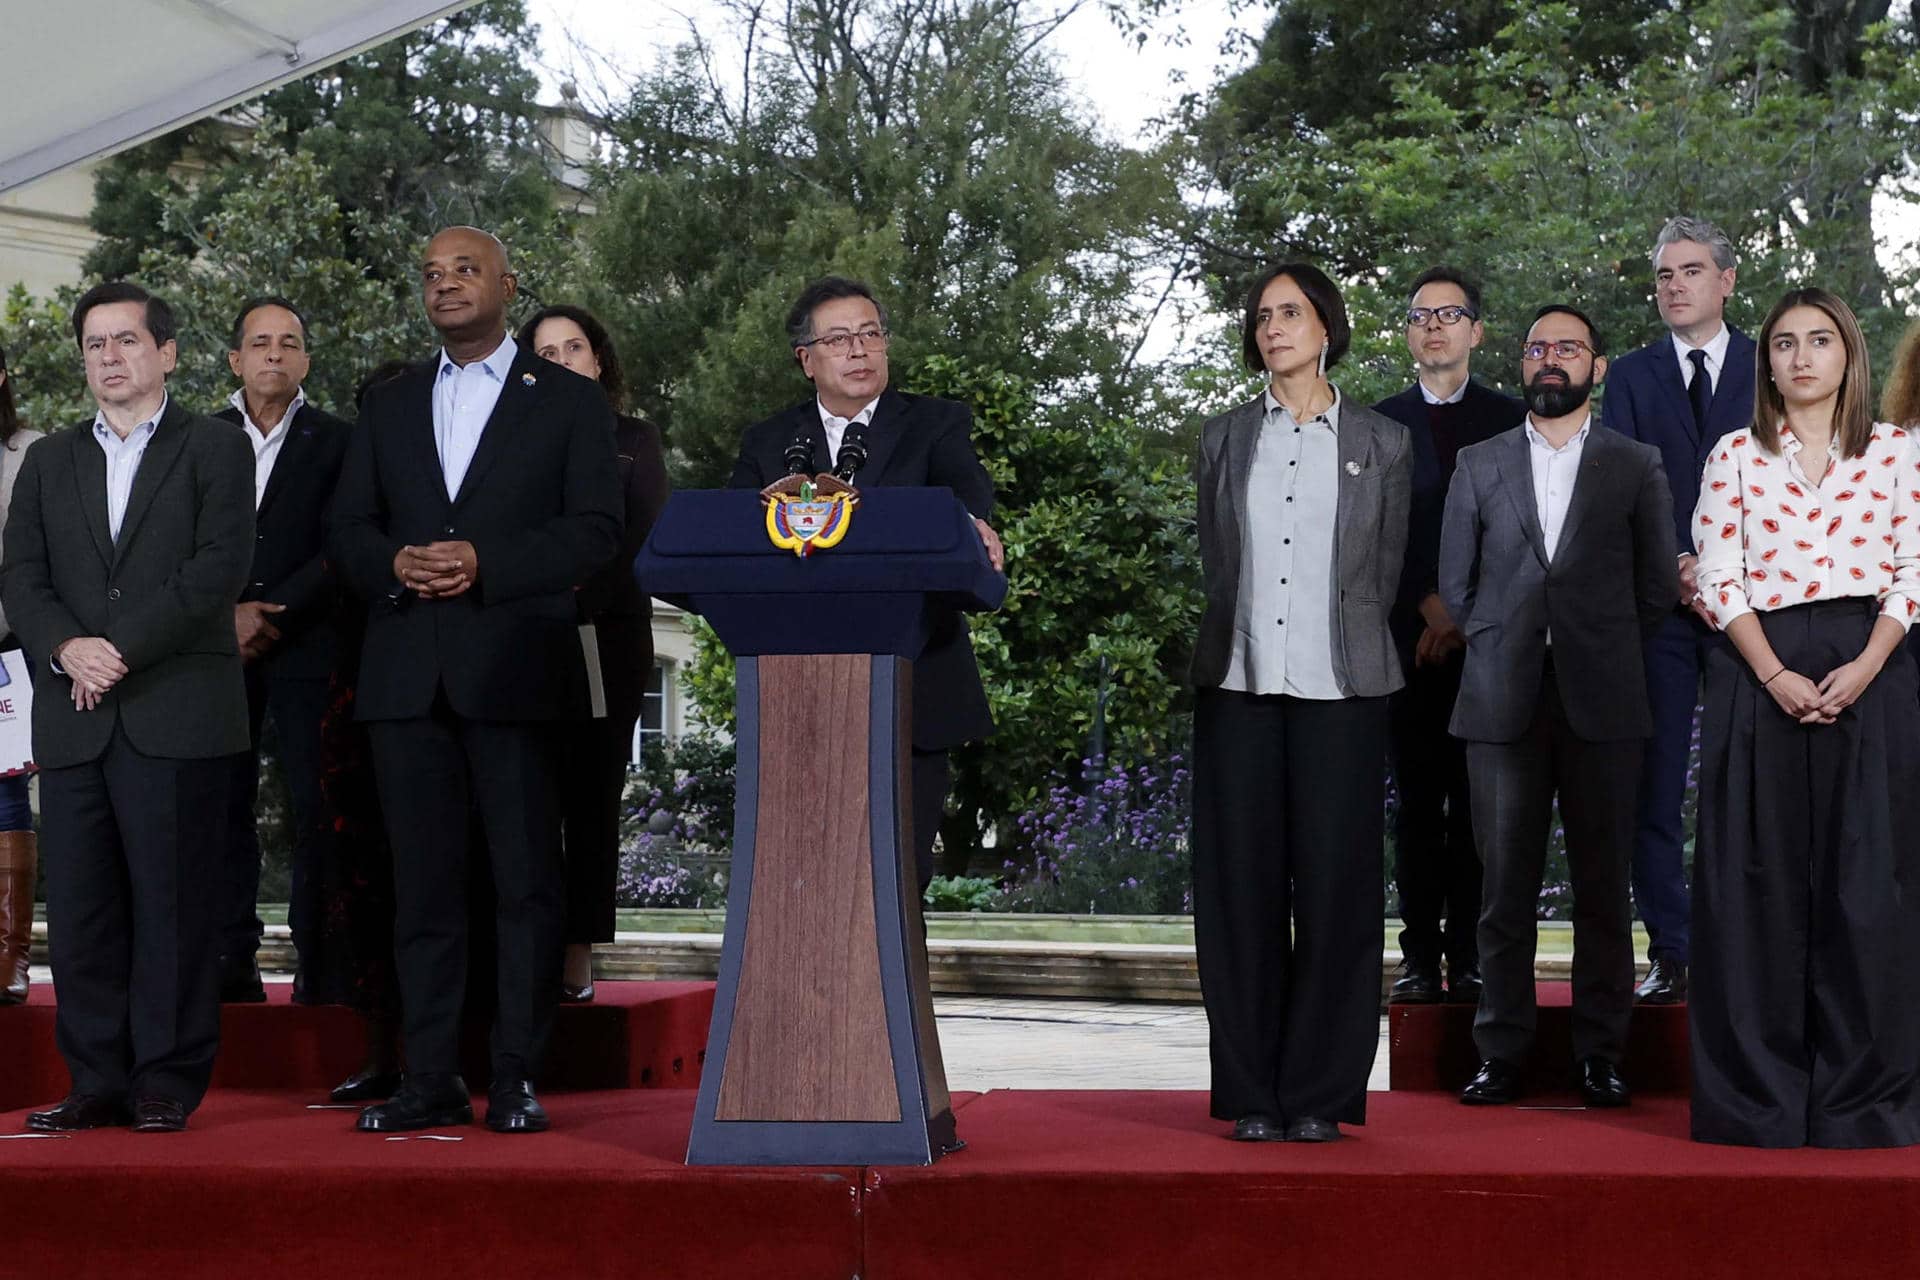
{"points": [[1770, 538]]}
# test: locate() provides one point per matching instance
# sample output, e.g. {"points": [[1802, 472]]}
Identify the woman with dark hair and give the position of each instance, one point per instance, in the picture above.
{"points": [[1806, 878], [1302, 521], [19, 853], [619, 618]]}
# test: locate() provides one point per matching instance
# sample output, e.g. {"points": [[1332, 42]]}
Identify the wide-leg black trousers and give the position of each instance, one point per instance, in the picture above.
{"points": [[1288, 897], [1806, 901]]}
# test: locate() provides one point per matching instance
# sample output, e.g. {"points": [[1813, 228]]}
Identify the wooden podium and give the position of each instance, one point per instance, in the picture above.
{"points": [[823, 1048]]}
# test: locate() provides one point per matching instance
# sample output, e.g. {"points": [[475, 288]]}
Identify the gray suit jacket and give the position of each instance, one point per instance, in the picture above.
{"points": [[163, 592], [1612, 580], [1370, 536]]}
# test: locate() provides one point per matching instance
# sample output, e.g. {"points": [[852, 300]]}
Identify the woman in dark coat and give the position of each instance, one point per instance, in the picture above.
{"points": [[596, 756]]}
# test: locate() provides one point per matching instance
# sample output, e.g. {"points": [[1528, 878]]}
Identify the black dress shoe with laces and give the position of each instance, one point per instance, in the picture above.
{"points": [[1463, 983], [420, 1103], [1494, 1084], [80, 1111], [1311, 1130], [158, 1115], [1601, 1085], [1665, 983], [240, 981], [1418, 983], [512, 1108], [1256, 1129], [366, 1086]]}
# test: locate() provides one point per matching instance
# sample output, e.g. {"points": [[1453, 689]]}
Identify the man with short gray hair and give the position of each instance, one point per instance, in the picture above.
{"points": [[1680, 394]]}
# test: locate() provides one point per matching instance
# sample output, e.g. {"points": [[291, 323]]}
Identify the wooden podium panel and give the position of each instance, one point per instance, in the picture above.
{"points": [[810, 976]]}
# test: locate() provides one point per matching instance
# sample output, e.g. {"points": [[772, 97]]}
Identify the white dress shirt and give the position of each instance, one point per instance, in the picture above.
{"points": [[266, 445], [123, 461], [836, 427], [1716, 349], [463, 400], [1554, 474], [1459, 393]]}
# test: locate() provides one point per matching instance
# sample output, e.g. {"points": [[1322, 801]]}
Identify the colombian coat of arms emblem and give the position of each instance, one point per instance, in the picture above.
{"points": [[804, 516]]}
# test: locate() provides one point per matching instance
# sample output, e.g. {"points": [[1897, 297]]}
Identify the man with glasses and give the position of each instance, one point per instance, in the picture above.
{"points": [[838, 334], [1435, 865], [1556, 559], [1692, 386]]}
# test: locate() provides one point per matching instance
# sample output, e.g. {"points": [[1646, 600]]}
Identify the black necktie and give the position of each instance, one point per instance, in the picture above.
{"points": [[1700, 390]]}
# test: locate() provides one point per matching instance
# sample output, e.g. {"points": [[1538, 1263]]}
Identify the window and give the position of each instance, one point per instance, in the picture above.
{"points": [[653, 706]]}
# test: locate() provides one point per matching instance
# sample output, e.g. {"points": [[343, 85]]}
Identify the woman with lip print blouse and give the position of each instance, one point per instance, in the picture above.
{"points": [[1806, 890]]}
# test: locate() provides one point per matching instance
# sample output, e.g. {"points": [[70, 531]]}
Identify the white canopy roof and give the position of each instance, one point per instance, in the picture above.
{"points": [[86, 78]]}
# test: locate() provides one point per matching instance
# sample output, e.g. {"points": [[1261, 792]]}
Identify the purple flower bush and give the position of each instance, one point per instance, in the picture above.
{"points": [[676, 825], [1119, 845]]}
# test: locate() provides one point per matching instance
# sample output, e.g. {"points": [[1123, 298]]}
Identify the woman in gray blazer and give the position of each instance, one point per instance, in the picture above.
{"points": [[19, 854], [1302, 522]]}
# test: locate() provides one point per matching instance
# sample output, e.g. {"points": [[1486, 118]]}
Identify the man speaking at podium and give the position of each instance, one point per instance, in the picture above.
{"points": [[869, 434]]}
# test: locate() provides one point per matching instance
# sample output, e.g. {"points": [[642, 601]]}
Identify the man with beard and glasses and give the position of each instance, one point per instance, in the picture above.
{"points": [[1556, 558]]}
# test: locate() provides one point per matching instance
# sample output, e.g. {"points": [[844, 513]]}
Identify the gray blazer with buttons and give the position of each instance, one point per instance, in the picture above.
{"points": [[1369, 539]]}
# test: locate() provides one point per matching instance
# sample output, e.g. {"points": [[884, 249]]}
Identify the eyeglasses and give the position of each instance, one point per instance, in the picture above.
{"points": [[841, 342], [1565, 349], [1417, 317]]}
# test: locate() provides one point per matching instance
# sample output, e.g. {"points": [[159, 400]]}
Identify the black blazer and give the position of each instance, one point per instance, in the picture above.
{"points": [[1611, 581], [289, 544], [1485, 413], [621, 613], [1646, 399], [163, 593], [541, 505], [912, 440]]}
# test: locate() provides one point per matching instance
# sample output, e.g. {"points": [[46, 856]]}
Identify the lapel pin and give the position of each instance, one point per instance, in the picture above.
{"points": [[1353, 468], [528, 378]]}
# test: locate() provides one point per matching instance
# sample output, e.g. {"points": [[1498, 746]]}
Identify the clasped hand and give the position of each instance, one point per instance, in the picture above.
{"points": [[93, 666], [1822, 703], [437, 571]]}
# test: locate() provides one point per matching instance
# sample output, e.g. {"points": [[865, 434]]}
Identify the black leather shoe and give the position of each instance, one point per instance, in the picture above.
{"points": [[1417, 984], [80, 1111], [1256, 1129], [240, 981], [366, 1086], [512, 1108], [1665, 983], [1312, 1130], [158, 1115], [1601, 1085], [1463, 983], [576, 995], [420, 1104], [1494, 1084]]}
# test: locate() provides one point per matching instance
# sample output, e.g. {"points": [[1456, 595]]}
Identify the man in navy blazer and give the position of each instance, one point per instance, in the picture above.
{"points": [[1436, 866], [1681, 394], [838, 334]]}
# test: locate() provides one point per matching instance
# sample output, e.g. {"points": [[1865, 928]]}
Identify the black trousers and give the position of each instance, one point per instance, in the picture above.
{"points": [[431, 771], [593, 784], [131, 848], [1436, 866], [1289, 829], [1514, 785], [1806, 901], [932, 774], [296, 707]]}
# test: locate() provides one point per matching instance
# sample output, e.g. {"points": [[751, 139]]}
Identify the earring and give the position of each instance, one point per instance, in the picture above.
{"points": [[1323, 359]]}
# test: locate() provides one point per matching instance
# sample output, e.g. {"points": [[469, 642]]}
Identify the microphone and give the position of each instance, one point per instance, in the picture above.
{"points": [[853, 452], [799, 456]]}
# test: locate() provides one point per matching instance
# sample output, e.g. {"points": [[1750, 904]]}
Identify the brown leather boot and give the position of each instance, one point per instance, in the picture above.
{"points": [[19, 858]]}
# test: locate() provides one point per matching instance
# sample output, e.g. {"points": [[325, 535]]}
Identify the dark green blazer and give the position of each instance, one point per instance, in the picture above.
{"points": [[163, 593]]}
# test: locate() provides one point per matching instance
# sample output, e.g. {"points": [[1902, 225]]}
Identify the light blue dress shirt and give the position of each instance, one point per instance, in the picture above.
{"points": [[1283, 636], [463, 400], [123, 461]]}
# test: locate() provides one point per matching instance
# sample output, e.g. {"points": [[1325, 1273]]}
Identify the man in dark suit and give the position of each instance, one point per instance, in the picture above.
{"points": [[1556, 557], [838, 333], [126, 546], [479, 490], [1435, 864], [286, 624], [1679, 395]]}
